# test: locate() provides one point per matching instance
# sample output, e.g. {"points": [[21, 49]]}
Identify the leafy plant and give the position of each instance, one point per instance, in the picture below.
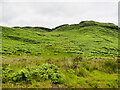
{"points": [[48, 72], [6, 76], [22, 75]]}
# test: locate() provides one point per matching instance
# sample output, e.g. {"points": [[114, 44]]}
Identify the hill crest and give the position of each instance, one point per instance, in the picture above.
{"points": [[74, 26]]}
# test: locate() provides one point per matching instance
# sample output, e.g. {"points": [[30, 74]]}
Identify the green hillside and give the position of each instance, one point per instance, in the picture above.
{"points": [[88, 39], [83, 54]]}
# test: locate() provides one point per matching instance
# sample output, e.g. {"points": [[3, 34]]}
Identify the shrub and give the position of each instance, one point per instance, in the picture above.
{"points": [[90, 67], [76, 61], [5, 76], [57, 78], [110, 66], [48, 71], [22, 75], [42, 72], [71, 71], [82, 72]]}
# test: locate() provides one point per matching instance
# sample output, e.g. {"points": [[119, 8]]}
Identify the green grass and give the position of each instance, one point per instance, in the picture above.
{"points": [[87, 74], [85, 55]]}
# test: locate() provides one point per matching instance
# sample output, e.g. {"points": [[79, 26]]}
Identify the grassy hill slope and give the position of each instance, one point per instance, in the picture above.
{"points": [[88, 39], [69, 56]]}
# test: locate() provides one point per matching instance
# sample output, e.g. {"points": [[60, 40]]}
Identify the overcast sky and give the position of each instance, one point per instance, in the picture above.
{"points": [[51, 14]]}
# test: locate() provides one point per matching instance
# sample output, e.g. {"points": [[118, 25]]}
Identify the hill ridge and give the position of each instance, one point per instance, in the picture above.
{"points": [[80, 25]]}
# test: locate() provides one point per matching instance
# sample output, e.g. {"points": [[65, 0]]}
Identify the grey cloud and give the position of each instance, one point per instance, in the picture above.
{"points": [[61, 0], [1, 12], [52, 14]]}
